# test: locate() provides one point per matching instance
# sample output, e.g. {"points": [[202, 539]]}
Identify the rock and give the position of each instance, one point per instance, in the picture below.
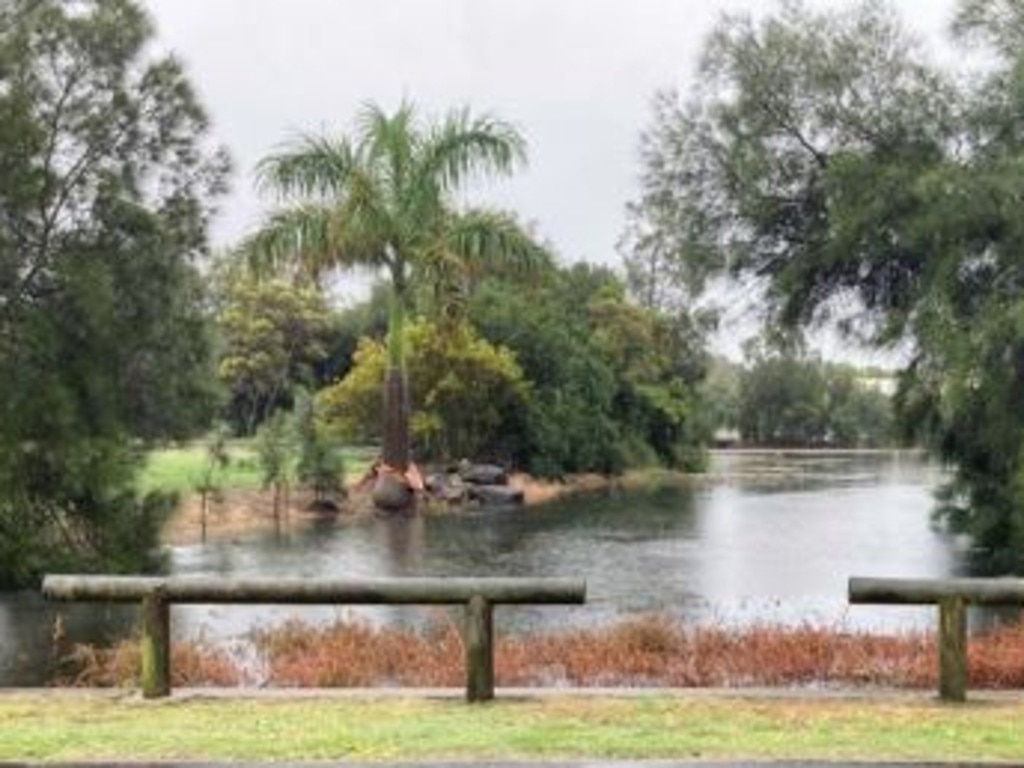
{"points": [[444, 487], [454, 494], [392, 493], [495, 495], [484, 474], [436, 483]]}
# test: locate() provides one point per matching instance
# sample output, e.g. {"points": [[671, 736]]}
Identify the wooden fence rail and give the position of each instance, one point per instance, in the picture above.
{"points": [[952, 596], [477, 595]]}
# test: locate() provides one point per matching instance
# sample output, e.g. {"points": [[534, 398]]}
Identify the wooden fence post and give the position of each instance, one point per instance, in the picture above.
{"points": [[479, 639], [952, 649], [156, 645]]}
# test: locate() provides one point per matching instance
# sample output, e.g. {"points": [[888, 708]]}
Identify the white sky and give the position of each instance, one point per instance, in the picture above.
{"points": [[576, 76]]}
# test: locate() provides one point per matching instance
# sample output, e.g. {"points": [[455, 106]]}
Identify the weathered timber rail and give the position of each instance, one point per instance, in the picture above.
{"points": [[157, 594], [952, 596]]}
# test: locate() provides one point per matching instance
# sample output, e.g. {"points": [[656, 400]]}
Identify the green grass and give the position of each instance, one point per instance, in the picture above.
{"points": [[178, 469], [60, 726]]}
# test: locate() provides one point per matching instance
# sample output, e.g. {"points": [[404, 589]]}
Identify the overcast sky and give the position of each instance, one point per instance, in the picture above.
{"points": [[576, 76]]}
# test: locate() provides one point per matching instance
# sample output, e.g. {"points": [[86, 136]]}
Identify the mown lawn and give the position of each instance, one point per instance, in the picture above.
{"points": [[180, 468], [89, 726]]}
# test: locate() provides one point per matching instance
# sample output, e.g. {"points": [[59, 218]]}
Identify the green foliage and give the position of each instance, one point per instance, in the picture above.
{"points": [[859, 415], [351, 407], [368, 318], [98, 523], [384, 199], [468, 396], [782, 400], [272, 336], [787, 398], [207, 483], [966, 396], [719, 393], [797, 158], [274, 451], [320, 466], [826, 160], [569, 427], [613, 384], [105, 186], [218, 458]]}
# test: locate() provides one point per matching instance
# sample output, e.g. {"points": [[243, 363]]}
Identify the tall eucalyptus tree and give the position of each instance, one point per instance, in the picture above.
{"points": [[825, 159]]}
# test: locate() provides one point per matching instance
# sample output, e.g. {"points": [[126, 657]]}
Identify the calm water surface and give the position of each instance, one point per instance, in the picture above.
{"points": [[768, 538]]}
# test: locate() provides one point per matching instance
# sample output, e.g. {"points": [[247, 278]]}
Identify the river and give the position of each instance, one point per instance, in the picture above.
{"points": [[766, 537]]}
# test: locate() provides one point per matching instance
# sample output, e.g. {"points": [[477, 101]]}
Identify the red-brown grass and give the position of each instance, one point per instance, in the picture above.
{"points": [[354, 654], [651, 651], [655, 651], [192, 664]]}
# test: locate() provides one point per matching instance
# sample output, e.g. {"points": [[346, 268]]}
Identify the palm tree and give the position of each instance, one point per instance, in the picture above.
{"points": [[383, 199]]}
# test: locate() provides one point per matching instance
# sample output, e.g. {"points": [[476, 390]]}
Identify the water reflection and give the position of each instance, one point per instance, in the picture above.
{"points": [[765, 538]]}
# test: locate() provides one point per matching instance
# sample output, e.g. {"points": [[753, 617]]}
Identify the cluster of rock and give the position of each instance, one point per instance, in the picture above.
{"points": [[466, 483]]}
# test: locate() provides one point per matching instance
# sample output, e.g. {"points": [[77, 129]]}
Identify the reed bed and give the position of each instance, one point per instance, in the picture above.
{"points": [[650, 651]]}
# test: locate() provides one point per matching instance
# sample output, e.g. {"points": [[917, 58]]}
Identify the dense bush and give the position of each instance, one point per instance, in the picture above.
{"points": [[468, 396], [613, 384], [272, 336], [106, 188]]}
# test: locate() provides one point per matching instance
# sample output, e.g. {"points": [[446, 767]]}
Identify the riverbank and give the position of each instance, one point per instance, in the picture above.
{"points": [[300, 727], [242, 511]]}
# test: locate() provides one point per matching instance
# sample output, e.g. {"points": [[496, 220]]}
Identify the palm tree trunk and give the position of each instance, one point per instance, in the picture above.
{"points": [[395, 421]]}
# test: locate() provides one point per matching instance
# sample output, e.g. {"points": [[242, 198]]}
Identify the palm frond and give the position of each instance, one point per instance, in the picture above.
{"points": [[389, 142], [379, 199], [495, 241], [295, 242], [464, 146], [310, 166], [366, 228], [380, 133]]}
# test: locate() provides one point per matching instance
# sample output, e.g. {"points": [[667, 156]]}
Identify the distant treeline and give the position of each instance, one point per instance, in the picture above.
{"points": [[790, 399]]}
